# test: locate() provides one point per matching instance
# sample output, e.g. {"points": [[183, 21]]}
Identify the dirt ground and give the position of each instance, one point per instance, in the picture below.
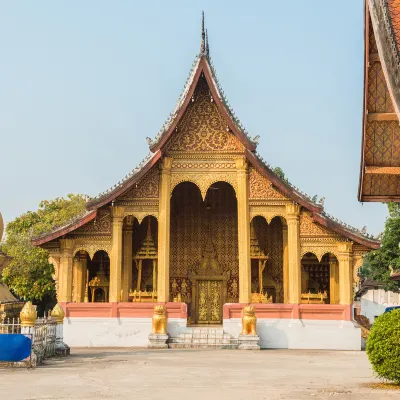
{"points": [[196, 374]]}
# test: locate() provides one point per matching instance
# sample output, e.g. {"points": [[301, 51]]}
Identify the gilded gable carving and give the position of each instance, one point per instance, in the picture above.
{"points": [[146, 188], [310, 228], [261, 187], [202, 127], [101, 225]]}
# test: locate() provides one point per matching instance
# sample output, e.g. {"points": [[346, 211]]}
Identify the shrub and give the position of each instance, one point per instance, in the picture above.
{"points": [[383, 346]]}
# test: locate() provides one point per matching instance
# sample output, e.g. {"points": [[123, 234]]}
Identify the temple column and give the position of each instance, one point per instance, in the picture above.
{"points": [[65, 273], [164, 216], [127, 266], [334, 281], [82, 274], [345, 273], [116, 255], [285, 264], [243, 231], [294, 259], [75, 268]]}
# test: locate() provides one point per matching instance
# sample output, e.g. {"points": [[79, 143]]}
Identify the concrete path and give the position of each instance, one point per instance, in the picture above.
{"points": [[196, 374]]}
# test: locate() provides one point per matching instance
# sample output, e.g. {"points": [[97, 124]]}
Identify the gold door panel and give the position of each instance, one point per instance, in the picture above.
{"points": [[209, 302]]}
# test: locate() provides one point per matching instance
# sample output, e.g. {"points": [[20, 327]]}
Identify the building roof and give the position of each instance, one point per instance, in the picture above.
{"points": [[380, 159], [203, 66]]}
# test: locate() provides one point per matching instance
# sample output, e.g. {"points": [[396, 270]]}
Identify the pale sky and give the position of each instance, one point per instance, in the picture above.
{"points": [[84, 82]]}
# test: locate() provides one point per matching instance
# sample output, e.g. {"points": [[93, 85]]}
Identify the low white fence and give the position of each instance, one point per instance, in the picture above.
{"points": [[43, 337]]}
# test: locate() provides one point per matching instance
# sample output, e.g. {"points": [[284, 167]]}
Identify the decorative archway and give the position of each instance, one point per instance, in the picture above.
{"points": [[204, 248]]}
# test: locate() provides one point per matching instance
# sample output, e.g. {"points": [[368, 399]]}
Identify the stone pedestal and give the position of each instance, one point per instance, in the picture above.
{"points": [[158, 341], [248, 342]]}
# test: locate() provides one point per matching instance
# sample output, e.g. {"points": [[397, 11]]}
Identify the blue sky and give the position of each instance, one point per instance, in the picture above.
{"points": [[84, 82]]}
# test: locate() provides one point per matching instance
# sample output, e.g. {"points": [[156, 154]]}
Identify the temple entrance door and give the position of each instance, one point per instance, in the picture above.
{"points": [[209, 302]]}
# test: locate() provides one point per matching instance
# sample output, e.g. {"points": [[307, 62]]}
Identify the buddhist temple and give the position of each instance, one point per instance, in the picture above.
{"points": [[205, 226], [380, 156]]}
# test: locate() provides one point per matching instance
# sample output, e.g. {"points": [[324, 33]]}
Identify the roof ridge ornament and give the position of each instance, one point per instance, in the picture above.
{"points": [[203, 36], [207, 46]]}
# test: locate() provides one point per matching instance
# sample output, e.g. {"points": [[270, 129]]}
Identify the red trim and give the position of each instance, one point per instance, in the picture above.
{"points": [[94, 204], [334, 226], [280, 184], [121, 310], [204, 67], [364, 117], [67, 229], [335, 312]]}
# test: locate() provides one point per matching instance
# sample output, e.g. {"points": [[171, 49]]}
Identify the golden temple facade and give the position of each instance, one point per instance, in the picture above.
{"points": [[205, 221]]}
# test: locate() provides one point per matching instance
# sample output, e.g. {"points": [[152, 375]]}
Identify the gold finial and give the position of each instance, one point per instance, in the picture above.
{"points": [[203, 36], [58, 313], [28, 315]]}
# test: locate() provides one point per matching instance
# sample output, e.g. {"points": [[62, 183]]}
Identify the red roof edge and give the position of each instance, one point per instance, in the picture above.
{"points": [[281, 185], [364, 114], [334, 226], [47, 237], [96, 203], [203, 67]]}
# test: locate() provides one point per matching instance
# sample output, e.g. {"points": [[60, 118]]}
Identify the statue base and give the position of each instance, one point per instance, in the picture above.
{"points": [[62, 349], [248, 342], [158, 341]]}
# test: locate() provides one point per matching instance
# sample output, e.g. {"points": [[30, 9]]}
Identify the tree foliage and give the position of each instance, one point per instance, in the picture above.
{"points": [[383, 346], [377, 263], [29, 274]]}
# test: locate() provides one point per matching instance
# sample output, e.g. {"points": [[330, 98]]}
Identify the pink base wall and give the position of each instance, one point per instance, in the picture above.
{"points": [[333, 312], [121, 310]]}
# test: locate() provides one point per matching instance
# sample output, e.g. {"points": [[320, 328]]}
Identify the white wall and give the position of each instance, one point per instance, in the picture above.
{"points": [[374, 302], [302, 334]]}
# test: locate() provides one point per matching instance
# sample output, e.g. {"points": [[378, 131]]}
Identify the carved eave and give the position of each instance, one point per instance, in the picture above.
{"points": [[65, 229], [341, 230], [317, 210], [382, 17], [125, 185], [202, 66], [282, 186]]}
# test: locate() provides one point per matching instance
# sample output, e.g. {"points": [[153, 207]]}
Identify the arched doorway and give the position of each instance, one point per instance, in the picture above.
{"points": [[267, 243], [99, 277], [319, 279], [204, 267]]}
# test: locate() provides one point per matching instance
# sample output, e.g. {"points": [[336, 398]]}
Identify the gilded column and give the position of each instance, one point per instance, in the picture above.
{"points": [[82, 274], [285, 264], [65, 273], [75, 272], [116, 255], [334, 280], [294, 259], [243, 231], [345, 273], [164, 216], [127, 266]]}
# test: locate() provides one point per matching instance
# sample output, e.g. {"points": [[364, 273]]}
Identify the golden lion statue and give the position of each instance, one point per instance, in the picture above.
{"points": [[249, 321], [159, 321]]}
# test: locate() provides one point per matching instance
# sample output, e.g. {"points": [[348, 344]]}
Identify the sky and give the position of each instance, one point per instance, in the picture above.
{"points": [[83, 83]]}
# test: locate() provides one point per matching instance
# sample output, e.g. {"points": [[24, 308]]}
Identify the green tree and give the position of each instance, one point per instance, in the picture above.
{"points": [[29, 274], [377, 263], [383, 346]]}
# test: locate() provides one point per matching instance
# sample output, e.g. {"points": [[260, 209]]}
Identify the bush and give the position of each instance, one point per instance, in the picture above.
{"points": [[383, 346]]}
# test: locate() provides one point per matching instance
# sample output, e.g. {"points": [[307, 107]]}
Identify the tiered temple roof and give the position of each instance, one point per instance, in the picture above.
{"points": [[380, 159], [203, 67]]}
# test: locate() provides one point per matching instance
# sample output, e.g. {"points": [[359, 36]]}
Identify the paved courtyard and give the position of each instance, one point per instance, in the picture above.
{"points": [[196, 374]]}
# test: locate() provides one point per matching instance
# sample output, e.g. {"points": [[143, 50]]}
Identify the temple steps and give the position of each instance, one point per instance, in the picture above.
{"points": [[202, 338]]}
